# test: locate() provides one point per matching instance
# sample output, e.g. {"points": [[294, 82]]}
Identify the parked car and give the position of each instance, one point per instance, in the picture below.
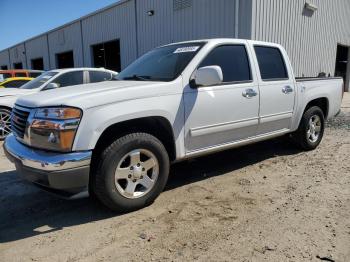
{"points": [[4, 74], [116, 139], [15, 82], [49, 80]]}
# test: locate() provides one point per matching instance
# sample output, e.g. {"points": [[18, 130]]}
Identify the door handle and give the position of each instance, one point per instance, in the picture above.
{"points": [[287, 90], [249, 93]]}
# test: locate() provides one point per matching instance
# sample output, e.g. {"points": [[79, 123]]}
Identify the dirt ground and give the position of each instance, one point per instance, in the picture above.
{"points": [[265, 202]]}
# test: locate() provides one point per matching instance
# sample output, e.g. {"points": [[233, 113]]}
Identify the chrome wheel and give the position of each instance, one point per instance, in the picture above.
{"points": [[314, 128], [136, 173], [5, 123]]}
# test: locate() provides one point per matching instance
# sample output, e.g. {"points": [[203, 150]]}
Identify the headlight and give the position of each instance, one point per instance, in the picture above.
{"points": [[58, 113], [54, 128]]}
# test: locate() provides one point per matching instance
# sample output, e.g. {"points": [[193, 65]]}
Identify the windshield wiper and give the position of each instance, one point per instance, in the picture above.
{"points": [[137, 77]]}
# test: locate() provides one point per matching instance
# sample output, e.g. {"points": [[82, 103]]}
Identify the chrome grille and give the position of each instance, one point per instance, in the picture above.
{"points": [[19, 119]]}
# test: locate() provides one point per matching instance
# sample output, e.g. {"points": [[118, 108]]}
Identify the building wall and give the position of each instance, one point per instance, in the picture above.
{"points": [[180, 20], [309, 38], [4, 58], [36, 48], [17, 55], [117, 22], [66, 39]]}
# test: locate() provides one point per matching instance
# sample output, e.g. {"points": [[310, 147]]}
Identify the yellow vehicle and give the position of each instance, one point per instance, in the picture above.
{"points": [[15, 82]]}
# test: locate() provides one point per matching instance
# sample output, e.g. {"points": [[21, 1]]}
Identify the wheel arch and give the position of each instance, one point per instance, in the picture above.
{"points": [[157, 126], [322, 103]]}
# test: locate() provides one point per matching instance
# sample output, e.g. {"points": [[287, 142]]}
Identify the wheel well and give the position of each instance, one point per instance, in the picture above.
{"points": [[321, 103], [5, 107], [156, 126]]}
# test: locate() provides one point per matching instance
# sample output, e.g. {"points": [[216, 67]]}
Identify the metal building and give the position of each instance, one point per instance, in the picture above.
{"points": [[316, 33]]}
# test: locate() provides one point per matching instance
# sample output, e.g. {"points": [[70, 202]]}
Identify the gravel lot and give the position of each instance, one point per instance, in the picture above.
{"points": [[265, 202]]}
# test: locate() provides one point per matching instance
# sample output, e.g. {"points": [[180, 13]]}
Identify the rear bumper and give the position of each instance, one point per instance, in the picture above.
{"points": [[65, 174]]}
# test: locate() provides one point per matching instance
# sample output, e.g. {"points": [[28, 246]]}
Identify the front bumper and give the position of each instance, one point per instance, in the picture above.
{"points": [[65, 174]]}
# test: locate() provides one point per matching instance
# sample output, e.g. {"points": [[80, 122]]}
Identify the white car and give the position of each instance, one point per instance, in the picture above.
{"points": [[48, 80], [116, 139]]}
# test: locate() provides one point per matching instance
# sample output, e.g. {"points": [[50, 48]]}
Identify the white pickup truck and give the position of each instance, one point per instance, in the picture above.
{"points": [[116, 139]]}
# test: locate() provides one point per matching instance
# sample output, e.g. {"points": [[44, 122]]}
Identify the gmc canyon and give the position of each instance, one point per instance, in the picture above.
{"points": [[116, 140]]}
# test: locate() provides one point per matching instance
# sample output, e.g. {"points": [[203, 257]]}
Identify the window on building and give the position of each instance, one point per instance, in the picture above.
{"points": [[65, 60], [233, 60], [38, 63], [99, 76], [18, 65], [70, 79], [4, 67], [271, 63], [107, 55]]}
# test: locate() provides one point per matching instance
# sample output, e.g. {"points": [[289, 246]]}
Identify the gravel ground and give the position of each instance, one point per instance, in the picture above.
{"points": [[264, 202]]}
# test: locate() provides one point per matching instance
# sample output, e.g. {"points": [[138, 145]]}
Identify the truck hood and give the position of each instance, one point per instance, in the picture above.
{"points": [[15, 91], [95, 94]]}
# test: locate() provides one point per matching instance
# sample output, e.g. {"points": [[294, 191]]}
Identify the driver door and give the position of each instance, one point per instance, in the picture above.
{"points": [[224, 113]]}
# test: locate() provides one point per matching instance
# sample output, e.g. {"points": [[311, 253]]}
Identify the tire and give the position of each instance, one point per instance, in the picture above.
{"points": [[5, 124], [121, 169], [303, 136]]}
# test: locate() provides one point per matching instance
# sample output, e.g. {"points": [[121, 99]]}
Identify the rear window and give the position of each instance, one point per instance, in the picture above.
{"points": [[271, 63]]}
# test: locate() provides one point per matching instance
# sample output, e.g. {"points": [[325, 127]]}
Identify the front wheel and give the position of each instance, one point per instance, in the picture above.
{"points": [[311, 129], [132, 172], [5, 123]]}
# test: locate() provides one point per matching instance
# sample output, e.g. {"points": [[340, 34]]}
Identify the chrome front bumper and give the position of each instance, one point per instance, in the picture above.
{"points": [[66, 174]]}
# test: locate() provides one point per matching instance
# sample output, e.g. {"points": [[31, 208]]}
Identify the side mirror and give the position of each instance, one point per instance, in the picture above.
{"points": [[208, 76], [51, 86]]}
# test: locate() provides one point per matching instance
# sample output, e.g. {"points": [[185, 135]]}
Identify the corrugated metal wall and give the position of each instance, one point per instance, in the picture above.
{"points": [[37, 48], [4, 58], [115, 23], [66, 39], [309, 38], [17, 55], [180, 20]]}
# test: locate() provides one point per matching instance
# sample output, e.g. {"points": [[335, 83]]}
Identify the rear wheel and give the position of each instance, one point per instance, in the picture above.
{"points": [[311, 129], [132, 172], [5, 123]]}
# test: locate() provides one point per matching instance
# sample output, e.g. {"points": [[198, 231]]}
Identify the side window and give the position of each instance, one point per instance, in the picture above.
{"points": [[233, 60], [99, 76], [21, 74], [271, 63], [70, 79], [34, 74]]}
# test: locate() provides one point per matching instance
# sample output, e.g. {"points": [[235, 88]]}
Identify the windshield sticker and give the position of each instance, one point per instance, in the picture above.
{"points": [[186, 49]]}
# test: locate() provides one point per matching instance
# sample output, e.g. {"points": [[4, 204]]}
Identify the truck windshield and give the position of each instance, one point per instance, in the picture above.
{"points": [[161, 64], [39, 81]]}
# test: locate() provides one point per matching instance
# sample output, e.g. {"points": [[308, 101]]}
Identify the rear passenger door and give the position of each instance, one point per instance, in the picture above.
{"points": [[276, 84]]}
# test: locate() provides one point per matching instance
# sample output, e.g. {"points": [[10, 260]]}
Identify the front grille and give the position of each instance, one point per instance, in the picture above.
{"points": [[19, 119]]}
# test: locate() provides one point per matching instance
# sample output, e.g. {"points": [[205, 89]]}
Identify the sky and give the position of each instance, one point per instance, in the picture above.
{"points": [[23, 19]]}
